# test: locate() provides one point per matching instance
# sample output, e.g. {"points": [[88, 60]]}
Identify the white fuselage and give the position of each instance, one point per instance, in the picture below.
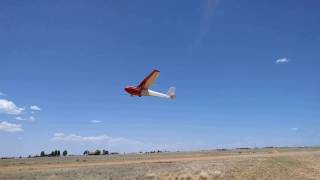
{"points": [[149, 92]]}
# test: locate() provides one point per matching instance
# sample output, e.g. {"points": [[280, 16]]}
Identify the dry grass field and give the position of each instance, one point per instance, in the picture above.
{"points": [[279, 163]]}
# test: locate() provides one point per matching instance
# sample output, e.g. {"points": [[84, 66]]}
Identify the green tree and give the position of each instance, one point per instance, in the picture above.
{"points": [[55, 153], [97, 152], [42, 154], [65, 152], [105, 152], [86, 152]]}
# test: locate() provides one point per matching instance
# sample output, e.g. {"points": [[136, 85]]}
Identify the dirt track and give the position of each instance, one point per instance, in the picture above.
{"points": [[246, 164]]}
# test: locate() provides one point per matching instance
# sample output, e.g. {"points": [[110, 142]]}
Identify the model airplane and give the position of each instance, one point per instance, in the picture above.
{"points": [[143, 88]]}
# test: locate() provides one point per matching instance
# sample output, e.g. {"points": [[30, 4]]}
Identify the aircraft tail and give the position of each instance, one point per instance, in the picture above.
{"points": [[172, 92]]}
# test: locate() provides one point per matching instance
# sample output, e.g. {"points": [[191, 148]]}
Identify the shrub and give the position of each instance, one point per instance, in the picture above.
{"points": [[42, 154], [65, 152]]}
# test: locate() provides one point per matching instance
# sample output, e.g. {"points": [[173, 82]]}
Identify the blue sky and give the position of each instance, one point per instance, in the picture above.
{"points": [[246, 73]]}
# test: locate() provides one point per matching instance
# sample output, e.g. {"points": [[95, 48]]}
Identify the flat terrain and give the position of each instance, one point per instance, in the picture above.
{"points": [[273, 163]]}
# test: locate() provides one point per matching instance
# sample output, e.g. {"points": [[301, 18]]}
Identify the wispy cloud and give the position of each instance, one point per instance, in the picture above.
{"points": [[208, 9], [20, 118], [35, 108], [2, 94], [82, 139], [9, 107], [95, 121], [282, 61], [31, 118], [9, 127], [294, 129]]}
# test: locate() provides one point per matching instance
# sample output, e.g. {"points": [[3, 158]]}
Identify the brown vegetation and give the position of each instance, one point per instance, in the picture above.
{"points": [[280, 163]]}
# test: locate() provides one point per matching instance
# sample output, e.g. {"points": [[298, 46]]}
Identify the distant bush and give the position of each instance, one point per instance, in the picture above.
{"points": [[42, 154], [243, 148], [86, 152], [105, 152], [222, 149], [65, 152], [268, 147], [55, 153], [97, 152]]}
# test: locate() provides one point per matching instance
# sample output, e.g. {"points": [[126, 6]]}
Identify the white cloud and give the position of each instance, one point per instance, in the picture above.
{"points": [[20, 118], [294, 129], [31, 118], [82, 139], [35, 108], [282, 61], [58, 134], [8, 107], [208, 9], [8, 127], [95, 121]]}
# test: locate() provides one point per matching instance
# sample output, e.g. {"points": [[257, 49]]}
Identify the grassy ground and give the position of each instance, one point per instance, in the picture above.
{"points": [[302, 163]]}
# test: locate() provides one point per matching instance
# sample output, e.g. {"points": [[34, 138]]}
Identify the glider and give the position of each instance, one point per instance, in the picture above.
{"points": [[143, 88]]}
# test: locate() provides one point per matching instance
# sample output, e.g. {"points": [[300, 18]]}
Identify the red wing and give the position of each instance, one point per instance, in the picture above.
{"points": [[149, 80]]}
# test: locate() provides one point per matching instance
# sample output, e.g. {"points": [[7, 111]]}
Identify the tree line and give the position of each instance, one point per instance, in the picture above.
{"points": [[56, 153], [98, 152], [53, 153]]}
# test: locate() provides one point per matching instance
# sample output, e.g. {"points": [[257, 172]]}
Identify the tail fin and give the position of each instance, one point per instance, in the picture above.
{"points": [[172, 92]]}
